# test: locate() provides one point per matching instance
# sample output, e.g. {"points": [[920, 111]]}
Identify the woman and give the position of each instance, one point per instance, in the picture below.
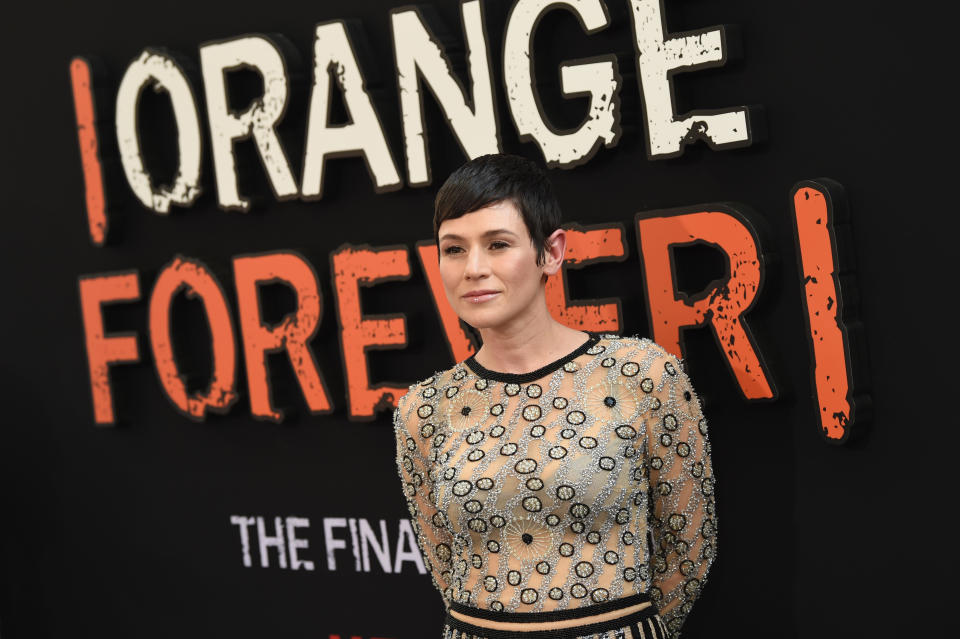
{"points": [[559, 481]]}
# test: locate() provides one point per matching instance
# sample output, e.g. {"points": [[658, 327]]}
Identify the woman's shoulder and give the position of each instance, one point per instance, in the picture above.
{"points": [[626, 344], [647, 353], [422, 403], [426, 389]]}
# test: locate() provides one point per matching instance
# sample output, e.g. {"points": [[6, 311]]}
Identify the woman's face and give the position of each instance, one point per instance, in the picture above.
{"points": [[489, 265]]}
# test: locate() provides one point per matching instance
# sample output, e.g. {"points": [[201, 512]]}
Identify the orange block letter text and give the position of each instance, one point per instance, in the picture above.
{"points": [[722, 307], [198, 282], [103, 350], [292, 334], [353, 267]]}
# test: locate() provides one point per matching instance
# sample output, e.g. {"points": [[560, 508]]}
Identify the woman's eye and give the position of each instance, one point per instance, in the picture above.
{"points": [[499, 244], [451, 249]]}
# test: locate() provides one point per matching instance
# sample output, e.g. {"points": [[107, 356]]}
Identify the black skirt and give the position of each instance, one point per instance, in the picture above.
{"points": [[641, 624]]}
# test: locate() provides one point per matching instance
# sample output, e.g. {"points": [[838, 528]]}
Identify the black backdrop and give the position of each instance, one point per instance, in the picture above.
{"points": [[125, 532]]}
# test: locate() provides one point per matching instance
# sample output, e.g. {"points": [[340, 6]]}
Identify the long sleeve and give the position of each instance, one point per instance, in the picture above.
{"points": [[429, 524], [683, 519]]}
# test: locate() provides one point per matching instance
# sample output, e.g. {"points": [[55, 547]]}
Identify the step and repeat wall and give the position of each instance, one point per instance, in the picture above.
{"points": [[221, 275]]}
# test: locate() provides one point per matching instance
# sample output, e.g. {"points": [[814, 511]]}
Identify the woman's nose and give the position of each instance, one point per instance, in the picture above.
{"points": [[477, 265]]}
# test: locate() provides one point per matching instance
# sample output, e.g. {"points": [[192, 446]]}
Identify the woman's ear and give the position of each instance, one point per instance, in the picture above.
{"points": [[556, 251]]}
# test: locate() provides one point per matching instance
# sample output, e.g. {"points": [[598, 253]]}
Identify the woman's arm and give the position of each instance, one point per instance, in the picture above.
{"points": [[683, 517], [429, 524]]}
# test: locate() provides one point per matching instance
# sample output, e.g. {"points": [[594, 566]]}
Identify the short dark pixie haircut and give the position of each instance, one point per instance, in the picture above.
{"points": [[493, 178]]}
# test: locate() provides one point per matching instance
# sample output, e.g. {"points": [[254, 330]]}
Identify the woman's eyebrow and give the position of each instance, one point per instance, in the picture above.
{"points": [[452, 236]]}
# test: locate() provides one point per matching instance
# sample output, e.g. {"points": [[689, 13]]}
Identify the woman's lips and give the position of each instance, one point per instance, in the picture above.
{"points": [[481, 297]]}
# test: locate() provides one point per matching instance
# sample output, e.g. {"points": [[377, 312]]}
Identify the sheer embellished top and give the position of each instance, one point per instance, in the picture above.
{"points": [[586, 480]]}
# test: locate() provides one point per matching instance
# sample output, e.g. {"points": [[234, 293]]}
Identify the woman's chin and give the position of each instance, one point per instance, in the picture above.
{"points": [[478, 318]]}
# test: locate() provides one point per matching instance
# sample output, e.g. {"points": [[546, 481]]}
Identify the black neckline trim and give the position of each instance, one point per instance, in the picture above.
{"points": [[523, 378]]}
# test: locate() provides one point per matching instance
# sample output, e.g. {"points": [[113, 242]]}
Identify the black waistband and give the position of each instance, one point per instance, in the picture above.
{"points": [[554, 615]]}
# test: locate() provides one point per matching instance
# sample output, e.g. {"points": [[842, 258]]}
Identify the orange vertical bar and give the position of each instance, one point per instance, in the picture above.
{"points": [[815, 218], [89, 150]]}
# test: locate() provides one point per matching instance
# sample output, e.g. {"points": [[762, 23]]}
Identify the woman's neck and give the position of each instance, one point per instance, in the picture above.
{"points": [[526, 344]]}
